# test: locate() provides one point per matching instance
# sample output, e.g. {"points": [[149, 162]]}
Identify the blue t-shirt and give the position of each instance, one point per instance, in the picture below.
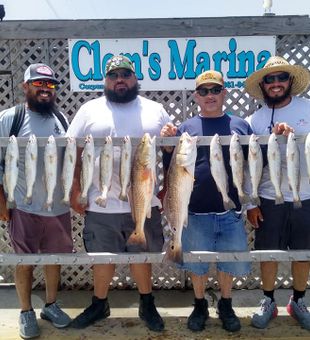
{"points": [[205, 197]]}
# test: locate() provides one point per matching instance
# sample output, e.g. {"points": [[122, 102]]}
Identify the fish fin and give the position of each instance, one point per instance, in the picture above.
{"points": [[101, 201], [255, 200], [229, 205], [123, 197], [174, 254], [244, 199], [137, 239], [297, 204], [279, 200]]}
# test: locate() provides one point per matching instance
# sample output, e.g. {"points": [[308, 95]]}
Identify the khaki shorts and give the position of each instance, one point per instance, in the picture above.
{"points": [[31, 234], [110, 232]]}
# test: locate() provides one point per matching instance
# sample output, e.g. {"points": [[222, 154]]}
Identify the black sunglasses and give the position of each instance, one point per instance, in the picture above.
{"points": [[281, 78], [126, 74], [214, 90]]}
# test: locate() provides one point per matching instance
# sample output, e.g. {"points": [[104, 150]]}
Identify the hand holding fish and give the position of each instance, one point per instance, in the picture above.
{"points": [[254, 216], [169, 130], [282, 129]]}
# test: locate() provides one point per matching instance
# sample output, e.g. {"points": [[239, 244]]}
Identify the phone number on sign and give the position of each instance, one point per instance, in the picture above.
{"points": [[233, 84]]}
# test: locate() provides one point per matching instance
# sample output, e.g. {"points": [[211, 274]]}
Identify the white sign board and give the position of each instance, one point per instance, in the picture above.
{"points": [[169, 63]]}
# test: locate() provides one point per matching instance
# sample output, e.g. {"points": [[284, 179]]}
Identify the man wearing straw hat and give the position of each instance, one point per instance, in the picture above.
{"points": [[281, 226]]}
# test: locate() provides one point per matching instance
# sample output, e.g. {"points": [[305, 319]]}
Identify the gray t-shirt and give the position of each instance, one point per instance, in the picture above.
{"points": [[41, 126]]}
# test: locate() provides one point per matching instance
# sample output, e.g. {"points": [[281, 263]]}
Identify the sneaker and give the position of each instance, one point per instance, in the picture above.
{"points": [[53, 313], [268, 310], [149, 314], [300, 312], [230, 321], [196, 321], [28, 325], [98, 310]]}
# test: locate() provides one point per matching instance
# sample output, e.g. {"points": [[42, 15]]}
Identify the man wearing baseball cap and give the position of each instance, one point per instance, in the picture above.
{"points": [[121, 112], [281, 226], [212, 224], [33, 228]]}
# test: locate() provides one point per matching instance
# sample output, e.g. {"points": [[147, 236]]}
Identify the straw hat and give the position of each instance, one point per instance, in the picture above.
{"points": [[300, 83]]}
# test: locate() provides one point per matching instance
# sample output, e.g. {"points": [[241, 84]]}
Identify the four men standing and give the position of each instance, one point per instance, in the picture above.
{"points": [[121, 112]]}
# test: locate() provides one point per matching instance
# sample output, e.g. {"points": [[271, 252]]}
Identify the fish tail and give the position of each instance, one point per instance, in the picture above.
{"points": [[28, 200], [174, 254], [244, 199], [83, 200], [255, 200], [228, 205], [279, 199], [297, 204], [137, 238], [11, 204], [65, 201], [48, 206], [101, 201], [123, 197]]}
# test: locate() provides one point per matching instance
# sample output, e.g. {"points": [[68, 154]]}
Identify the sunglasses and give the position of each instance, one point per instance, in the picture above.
{"points": [[214, 90], [126, 74], [281, 78], [41, 83]]}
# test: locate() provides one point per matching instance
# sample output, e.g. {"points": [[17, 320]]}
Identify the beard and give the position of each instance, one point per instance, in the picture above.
{"points": [[123, 97], [271, 101], [45, 108]]}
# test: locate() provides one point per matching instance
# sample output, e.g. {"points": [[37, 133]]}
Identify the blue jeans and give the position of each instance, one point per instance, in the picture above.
{"points": [[214, 232]]}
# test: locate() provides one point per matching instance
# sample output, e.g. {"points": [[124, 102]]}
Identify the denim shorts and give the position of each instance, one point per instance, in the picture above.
{"points": [[216, 232]]}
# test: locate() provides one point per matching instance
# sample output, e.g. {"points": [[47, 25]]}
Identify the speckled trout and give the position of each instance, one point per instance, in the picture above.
{"points": [[125, 167], [218, 171], [105, 172], [68, 169], [293, 170], [11, 171], [88, 160], [50, 168], [31, 159]]}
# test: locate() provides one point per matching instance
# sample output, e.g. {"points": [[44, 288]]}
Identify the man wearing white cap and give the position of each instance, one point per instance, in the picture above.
{"points": [[281, 226]]}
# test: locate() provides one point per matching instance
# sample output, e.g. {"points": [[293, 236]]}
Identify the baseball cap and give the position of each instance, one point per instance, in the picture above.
{"points": [[209, 77], [39, 71], [117, 62]]}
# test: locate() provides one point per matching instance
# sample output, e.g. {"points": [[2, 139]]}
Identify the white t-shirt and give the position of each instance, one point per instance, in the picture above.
{"points": [[100, 117], [297, 115]]}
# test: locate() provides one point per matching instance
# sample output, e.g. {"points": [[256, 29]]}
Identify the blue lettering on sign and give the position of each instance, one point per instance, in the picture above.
{"points": [[94, 50], [183, 65], [154, 70], [178, 68]]}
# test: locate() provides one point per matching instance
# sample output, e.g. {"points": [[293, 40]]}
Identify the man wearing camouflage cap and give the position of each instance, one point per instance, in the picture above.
{"points": [[121, 112]]}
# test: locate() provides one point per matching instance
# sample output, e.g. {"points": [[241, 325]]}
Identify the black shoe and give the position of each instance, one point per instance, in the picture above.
{"points": [[230, 321], [98, 310], [196, 321], [149, 314]]}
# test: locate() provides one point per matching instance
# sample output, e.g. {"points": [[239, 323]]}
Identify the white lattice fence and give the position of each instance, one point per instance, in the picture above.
{"points": [[16, 55]]}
